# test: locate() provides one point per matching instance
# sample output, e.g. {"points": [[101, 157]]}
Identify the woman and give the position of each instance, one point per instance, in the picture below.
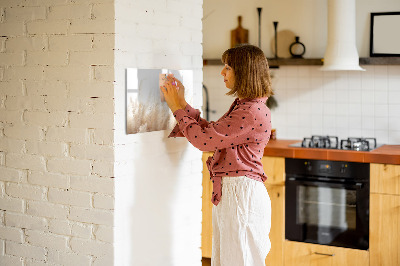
{"points": [[242, 208]]}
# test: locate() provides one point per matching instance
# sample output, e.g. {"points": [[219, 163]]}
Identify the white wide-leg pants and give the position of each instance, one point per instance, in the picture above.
{"points": [[241, 223]]}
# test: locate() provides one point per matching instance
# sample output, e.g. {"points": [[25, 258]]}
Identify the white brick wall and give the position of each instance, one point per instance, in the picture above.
{"points": [[155, 177], [62, 134], [56, 132]]}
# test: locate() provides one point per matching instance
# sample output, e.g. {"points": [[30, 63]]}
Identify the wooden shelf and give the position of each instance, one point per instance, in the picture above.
{"points": [[380, 61], [274, 63]]}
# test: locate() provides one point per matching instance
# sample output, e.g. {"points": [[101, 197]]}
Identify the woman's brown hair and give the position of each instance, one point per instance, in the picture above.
{"points": [[250, 66]]}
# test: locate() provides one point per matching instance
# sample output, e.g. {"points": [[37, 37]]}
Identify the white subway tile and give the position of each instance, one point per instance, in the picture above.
{"points": [[367, 96], [394, 123], [382, 136], [380, 84], [381, 97], [394, 110], [382, 110], [394, 97], [380, 71]]}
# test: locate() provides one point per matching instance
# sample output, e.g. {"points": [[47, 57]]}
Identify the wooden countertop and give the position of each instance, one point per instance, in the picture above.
{"points": [[389, 154]]}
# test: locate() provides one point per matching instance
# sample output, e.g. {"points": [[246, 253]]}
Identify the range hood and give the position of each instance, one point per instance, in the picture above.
{"points": [[341, 51]]}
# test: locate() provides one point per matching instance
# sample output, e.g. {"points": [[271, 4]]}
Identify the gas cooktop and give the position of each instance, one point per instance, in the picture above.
{"points": [[332, 142]]}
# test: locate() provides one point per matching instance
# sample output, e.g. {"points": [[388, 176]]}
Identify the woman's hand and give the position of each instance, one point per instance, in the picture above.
{"points": [[171, 95], [181, 92]]}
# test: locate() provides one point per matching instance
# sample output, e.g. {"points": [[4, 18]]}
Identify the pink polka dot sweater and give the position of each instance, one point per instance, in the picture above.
{"points": [[238, 139]]}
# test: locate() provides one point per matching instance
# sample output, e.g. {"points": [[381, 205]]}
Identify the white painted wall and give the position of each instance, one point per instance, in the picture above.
{"points": [[56, 132], [344, 103], [158, 180]]}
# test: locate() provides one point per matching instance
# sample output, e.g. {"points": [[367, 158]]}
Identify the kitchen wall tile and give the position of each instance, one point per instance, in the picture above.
{"points": [[304, 72], [382, 110], [355, 96], [394, 137], [317, 108], [368, 122], [380, 71], [342, 81], [291, 71], [381, 97], [329, 93], [367, 96], [342, 133], [393, 71], [381, 136], [329, 122], [342, 96], [367, 110], [355, 122], [394, 123], [394, 83], [381, 84], [342, 109], [329, 109], [292, 82], [394, 110], [328, 74], [394, 97], [304, 82], [355, 109], [354, 82], [342, 122], [355, 132], [315, 72], [367, 133], [328, 98], [381, 123]]}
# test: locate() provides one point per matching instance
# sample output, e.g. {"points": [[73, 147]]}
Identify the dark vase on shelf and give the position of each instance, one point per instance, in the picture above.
{"points": [[297, 49]]}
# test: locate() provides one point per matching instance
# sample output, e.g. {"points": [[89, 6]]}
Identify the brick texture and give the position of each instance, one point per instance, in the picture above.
{"points": [[56, 124]]}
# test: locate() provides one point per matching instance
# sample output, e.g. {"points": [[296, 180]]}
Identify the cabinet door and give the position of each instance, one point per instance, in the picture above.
{"points": [[304, 254], [206, 226], [384, 229], [385, 178], [277, 233], [274, 168]]}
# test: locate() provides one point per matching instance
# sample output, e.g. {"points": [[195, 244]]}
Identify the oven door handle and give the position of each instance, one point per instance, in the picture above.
{"points": [[357, 185]]}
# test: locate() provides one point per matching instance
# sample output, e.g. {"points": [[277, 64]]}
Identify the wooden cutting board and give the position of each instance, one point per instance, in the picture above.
{"points": [[239, 35]]}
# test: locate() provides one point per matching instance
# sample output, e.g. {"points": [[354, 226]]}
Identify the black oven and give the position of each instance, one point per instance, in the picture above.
{"points": [[327, 202]]}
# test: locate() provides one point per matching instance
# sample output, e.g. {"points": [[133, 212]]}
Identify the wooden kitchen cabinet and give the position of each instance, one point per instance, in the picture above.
{"points": [[385, 178], [384, 236], [305, 254], [206, 225], [274, 168]]}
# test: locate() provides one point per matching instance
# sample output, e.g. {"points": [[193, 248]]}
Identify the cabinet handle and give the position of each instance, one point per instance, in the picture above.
{"points": [[324, 254]]}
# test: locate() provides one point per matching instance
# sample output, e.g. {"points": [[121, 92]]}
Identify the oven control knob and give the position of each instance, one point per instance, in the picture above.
{"points": [[343, 168]]}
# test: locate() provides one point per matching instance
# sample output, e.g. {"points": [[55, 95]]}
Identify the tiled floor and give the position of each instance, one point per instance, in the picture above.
{"points": [[206, 261]]}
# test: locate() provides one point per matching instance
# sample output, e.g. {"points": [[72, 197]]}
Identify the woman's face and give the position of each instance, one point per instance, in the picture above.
{"points": [[229, 76]]}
